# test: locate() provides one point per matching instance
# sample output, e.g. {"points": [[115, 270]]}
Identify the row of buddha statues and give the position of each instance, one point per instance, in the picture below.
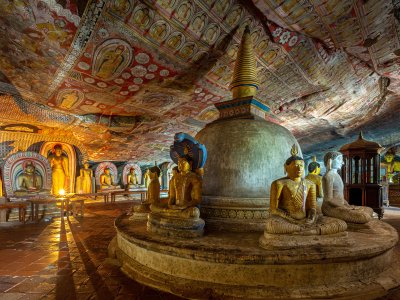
{"points": [[293, 208], [31, 181], [34, 173]]}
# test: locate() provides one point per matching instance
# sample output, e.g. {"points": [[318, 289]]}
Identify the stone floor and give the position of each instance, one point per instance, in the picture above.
{"points": [[66, 259]]}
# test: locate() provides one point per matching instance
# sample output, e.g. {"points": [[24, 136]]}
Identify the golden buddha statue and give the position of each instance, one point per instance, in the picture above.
{"points": [[146, 178], [59, 170], [131, 179], [334, 204], [29, 181], [184, 192], [174, 172], [314, 169], [86, 175], [391, 164], [293, 204], [107, 180], [153, 190]]}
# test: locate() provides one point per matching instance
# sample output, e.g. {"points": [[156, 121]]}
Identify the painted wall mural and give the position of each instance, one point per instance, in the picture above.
{"points": [[124, 76]]}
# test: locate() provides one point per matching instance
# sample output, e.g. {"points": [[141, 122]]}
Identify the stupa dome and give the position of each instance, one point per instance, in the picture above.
{"points": [[244, 157]]}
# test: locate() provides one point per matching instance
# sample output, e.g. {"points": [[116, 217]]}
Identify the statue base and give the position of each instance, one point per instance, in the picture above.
{"points": [[234, 214], [231, 265], [175, 227], [289, 241]]}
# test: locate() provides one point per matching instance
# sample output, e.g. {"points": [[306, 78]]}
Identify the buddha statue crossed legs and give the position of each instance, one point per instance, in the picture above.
{"points": [[334, 204], [293, 204]]}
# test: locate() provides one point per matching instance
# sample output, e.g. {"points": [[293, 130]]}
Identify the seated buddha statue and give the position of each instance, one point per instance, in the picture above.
{"points": [[314, 169], [293, 204], [184, 193], [29, 181], [131, 179], [334, 204], [107, 180]]}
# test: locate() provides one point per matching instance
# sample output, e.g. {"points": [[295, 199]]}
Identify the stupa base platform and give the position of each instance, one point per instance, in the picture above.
{"points": [[228, 265]]}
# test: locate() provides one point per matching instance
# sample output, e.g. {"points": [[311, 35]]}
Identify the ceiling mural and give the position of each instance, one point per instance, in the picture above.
{"points": [[123, 76]]}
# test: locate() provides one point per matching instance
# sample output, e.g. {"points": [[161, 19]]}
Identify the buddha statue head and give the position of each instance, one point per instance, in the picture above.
{"points": [[86, 165], [30, 169], [107, 171], [389, 156], [294, 165], [314, 167], [132, 171], [184, 164], [333, 160], [57, 150]]}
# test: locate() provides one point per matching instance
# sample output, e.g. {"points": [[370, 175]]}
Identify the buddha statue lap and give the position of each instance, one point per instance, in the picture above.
{"points": [[293, 205], [107, 180], [334, 204], [29, 182], [131, 180]]}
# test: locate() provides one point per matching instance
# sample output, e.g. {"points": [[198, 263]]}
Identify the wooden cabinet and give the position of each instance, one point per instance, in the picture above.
{"points": [[361, 174]]}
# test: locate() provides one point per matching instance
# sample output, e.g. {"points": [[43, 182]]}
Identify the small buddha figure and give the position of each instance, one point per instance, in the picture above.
{"points": [[174, 172], [146, 178], [29, 181], [107, 180], [334, 204], [314, 169], [59, 169], [293, 204], [153, 192], [131, 179], [86, 175]]}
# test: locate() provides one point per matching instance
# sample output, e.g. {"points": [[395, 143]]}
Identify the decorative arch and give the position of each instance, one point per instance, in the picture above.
{"points": [[14, 165], [100, 169], [126, 169]]}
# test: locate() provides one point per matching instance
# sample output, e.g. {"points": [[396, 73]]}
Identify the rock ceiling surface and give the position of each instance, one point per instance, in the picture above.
{"points": [[121, 77]]}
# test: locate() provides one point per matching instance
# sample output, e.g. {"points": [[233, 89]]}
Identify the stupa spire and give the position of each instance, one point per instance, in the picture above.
{"points": [[245, 82]]}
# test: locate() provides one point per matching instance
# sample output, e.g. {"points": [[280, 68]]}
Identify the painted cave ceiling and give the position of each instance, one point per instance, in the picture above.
{"points": [[120, 77]]}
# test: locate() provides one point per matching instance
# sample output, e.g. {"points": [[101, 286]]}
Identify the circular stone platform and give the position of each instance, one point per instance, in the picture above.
{"points": [[233, 265]]}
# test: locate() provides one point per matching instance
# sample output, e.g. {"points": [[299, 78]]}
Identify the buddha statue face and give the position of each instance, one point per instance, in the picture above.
{"points": [[337, 163], [183, 165], [132, 171], [295, 169], [57, 151], [389, 157], [86, 165], [107, 171], [30, 169]]}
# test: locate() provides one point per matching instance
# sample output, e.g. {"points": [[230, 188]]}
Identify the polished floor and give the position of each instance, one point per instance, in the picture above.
{"points": [[67, 258]]}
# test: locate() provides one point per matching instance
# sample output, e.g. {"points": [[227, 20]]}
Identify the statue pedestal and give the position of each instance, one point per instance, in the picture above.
{"points": [[175, 227], [227, 265]]}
